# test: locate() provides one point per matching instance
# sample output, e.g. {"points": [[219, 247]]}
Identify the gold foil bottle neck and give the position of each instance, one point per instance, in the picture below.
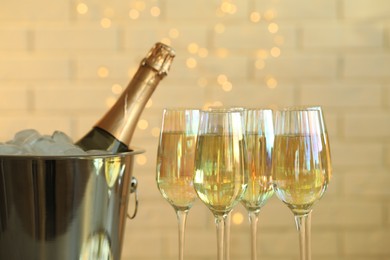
{"points": [[160, 58], [121, 120]]}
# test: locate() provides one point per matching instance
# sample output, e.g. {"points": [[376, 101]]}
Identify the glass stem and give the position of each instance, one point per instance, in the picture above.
{"points": [[220, 223], [227, 235], [303, 223], [254, 219], [181, 218]]}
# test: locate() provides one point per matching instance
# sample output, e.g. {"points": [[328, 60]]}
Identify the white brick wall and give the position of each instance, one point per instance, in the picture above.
{"points": [[34, 67], [341, 35], [371, 64], [301, 9], [297, 65], [62, 38], [333, 53], [365, 9], [13, 38]]}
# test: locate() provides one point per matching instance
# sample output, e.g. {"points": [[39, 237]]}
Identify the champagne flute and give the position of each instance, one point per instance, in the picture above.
{"points": [[175, 163], [228, 217], [259, 141], [220, 176], [301, 166]]}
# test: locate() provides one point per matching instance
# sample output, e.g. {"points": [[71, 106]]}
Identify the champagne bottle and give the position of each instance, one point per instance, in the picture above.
{"points": [[115, 129]]}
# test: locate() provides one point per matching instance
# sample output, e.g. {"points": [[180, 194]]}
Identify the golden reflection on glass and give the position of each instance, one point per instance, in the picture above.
{"points": [[113, 168], [97, 246], [98, 164]]}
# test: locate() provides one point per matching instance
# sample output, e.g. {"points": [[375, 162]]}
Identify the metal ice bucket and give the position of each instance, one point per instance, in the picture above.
{"points": [[61, 208]]}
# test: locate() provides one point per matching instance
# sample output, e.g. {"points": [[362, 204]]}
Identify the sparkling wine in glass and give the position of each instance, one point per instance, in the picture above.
{"points": [[175, 163], [220, 158], [259, 141], [301, 166]]}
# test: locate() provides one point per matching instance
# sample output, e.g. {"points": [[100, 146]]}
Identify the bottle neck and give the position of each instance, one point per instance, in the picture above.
{"points": [[121, 120]]}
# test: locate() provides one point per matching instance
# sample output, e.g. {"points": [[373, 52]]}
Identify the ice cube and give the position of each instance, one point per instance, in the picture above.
{"points": [[10, 149], [46, 145], [26, 137], [61, 137], [31, 142]]}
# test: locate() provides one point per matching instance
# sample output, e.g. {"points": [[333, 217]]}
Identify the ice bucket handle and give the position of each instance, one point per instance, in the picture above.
{"points": [[133, 189]]}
